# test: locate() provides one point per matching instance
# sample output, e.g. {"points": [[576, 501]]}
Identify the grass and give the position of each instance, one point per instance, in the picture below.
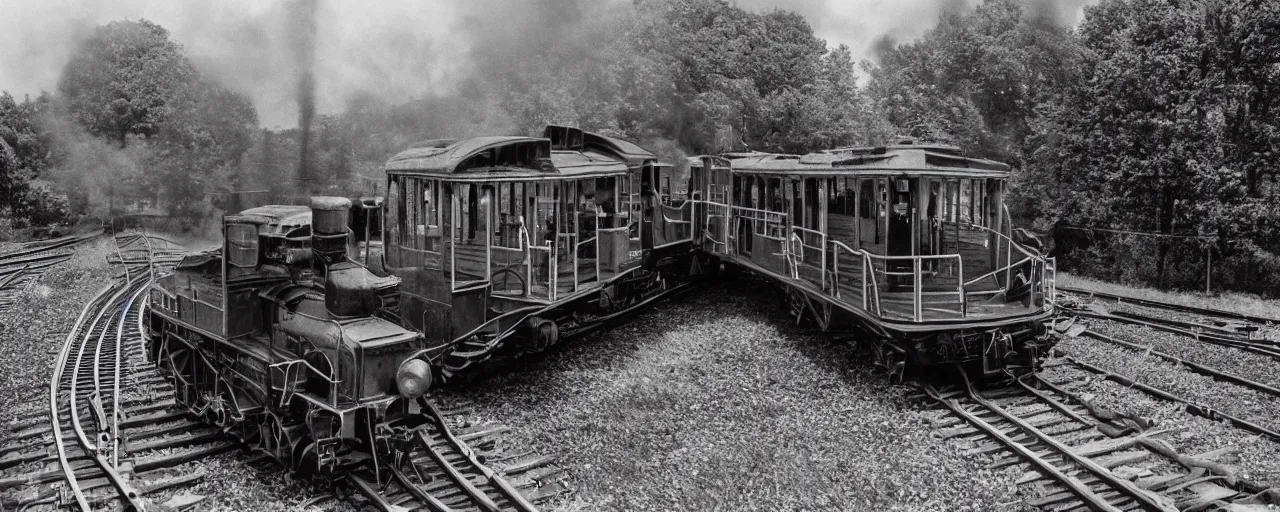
{"points": [[1227, 301], [718, 402]]}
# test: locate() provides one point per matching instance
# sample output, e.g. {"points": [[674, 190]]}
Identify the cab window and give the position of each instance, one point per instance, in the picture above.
{"points": [[242, 245]]}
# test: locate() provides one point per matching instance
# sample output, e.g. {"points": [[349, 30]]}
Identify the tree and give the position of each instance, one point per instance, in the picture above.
{"points": [[976, 79], [25, 146], [1168, 129], [123, 80], [200, 146]]}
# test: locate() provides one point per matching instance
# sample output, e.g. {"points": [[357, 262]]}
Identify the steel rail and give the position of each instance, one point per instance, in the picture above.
{"points": [[5, 281], [432, 502], [127, 492], [1183, 324], [1191, 407], [1171, 306], [512, 496], [35, 250], [477, 496], [1195, 367], [124, 315], [1256, 348], [1077, 487], [115, 386], [56, 382]]}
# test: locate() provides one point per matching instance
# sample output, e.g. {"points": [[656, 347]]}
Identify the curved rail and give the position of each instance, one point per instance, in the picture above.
{"points": [[95, 337], [80, 339], [56, 382]]}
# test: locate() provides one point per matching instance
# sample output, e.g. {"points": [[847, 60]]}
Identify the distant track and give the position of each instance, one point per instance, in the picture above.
{"points": [[20, 269], [1171, 306]]}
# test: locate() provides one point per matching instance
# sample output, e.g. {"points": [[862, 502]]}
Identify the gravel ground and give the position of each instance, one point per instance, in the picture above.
{"points": [[33, 330], [1258, 457], [717, 402], [1252, 366]]}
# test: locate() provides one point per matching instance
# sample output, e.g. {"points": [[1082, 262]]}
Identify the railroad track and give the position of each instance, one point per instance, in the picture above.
{"points": [[1237, 336], [1193, 407], [459, 471], [20, 269], [1075, 460], [1169, 306], [111, 432]]}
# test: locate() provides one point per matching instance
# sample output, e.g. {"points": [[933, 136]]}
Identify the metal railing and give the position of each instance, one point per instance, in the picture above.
{"points": [[682, 231], [720, 220], [800, 243], [798, 234], [761, 219]]}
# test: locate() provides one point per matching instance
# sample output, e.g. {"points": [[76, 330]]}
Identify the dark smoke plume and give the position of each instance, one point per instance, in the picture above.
{"points": [[303, 33]]}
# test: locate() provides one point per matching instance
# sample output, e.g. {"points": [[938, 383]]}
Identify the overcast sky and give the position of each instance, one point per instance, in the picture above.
{"points": [[395, 48]]}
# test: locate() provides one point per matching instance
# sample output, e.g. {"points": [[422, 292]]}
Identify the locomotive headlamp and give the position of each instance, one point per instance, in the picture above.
{"points": [[413, 379]]}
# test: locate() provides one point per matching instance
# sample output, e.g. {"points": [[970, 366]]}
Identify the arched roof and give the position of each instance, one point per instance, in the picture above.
{"points": [[502, 158], [899, 159]]}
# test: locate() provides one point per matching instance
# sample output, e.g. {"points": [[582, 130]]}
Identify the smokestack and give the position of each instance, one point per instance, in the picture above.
{"points": [[329, 228], [304, 48]]}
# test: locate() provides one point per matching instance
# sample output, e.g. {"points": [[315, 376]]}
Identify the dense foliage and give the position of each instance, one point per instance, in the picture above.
{"points": [[1154, 116], [1169, 127], [132, 123]]}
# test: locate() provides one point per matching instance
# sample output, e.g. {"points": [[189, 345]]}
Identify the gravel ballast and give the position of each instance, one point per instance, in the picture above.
{"points": [[1258, 457], [34, 329], [718, 402], [1256, 367]]}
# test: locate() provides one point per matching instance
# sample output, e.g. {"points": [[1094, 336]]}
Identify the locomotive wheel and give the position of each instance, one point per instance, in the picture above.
{"points": [[896, 366], [174, 358], [304, 460], [278, 440], [545, 333]]}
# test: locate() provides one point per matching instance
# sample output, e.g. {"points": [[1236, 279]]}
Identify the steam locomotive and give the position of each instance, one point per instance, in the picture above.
{"points": [[282, 338]]}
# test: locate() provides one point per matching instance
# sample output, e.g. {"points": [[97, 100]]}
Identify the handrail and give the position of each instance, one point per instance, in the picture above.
{"points": [[1012, 243], [788, 254], [866, 266], [916, 273], [994, 272]]}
